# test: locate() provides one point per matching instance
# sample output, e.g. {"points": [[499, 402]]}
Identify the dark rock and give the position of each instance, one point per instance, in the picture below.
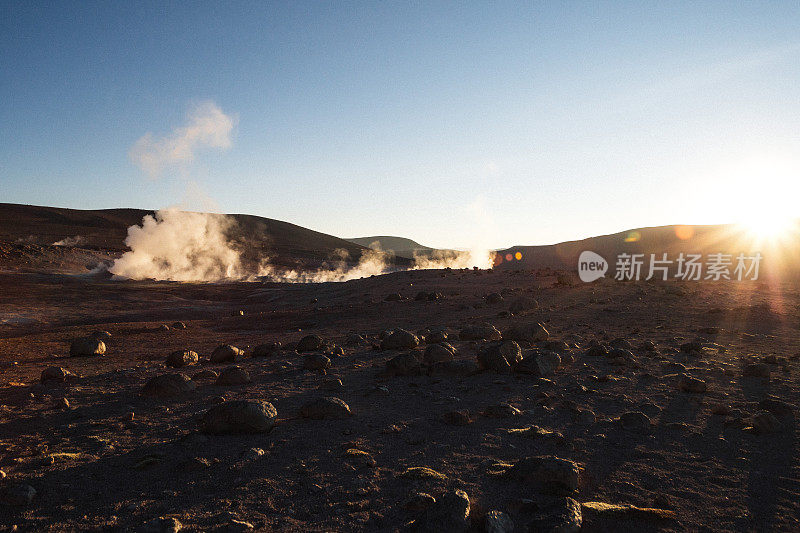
{"points": [[400, 339], [533, 332], [87, 346], [181, 358], [168, 385], [539, 363], [310, 343], [457, 418], [316, 361], [56, 374], [499, 356], [635, 421], [548, 473], [687, 383], [19, 495], [225, 353], [405, 364], [267, 350], [240, 416], [756, 370], [326, 408], [561, 515], [449, 513], [233, 375], [480, 332], [438, 353]]}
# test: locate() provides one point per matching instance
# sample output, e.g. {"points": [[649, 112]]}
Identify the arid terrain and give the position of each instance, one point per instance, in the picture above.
{"points": [[119, 458]]}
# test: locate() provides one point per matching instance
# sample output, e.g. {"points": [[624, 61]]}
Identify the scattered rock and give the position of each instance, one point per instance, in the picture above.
{"points": [[406, 364], [457, 418], [225, 353], [240, 416], [206, 374], [181, 358], [56, 374], [178, 325], [599, 514], [501, 410], [359, 458], [101, 335], [498, 522], [19, 495], [310, 343], [394, 297], [400, 339], [687, 383], [765, 422], [439, 353], [316, 361], [548, 473], [480, 332], [162, 525], [168, 385], [353, 339], [692, 347], [61, 403], [449, 513], [332, 384], [499, 356], [233, 375], [780, 409], [539, 363], [562, 515], [267, 350], [522, 304], [756, 370], [533, 332], [87, 346], [418, 502], [494, 298], [635, 421], [422, 472], [326, 408]]}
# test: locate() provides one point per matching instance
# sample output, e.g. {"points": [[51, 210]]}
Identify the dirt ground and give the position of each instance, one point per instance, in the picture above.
{"points": [[117, 460]]}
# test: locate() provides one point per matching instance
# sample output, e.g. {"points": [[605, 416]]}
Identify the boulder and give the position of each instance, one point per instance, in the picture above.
{"points": [[400, 339], [310, 343], [316, 361], [240, 416], [326, 408], [533, 332], [547, 473], [87, 346], [405, 364], [168, 385], [539, 363], [438, 353], [449, 513], [181, 358], [480, 332], [562, 515], [499, 356], [687, 383], [233, 375], [225, 353], [266, 350], [56, 374]]}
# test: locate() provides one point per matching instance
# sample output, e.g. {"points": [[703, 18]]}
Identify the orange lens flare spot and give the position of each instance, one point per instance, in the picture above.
{"points": [[684, 232], [518, 256], [633, 236], [509, 257]]}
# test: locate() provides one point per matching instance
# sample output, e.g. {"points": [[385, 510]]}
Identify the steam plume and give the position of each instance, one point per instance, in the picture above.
{"points": [[206, 125]]}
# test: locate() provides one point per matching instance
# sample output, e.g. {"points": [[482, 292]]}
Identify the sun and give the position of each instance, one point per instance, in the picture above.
{"points": [[769, 226]]}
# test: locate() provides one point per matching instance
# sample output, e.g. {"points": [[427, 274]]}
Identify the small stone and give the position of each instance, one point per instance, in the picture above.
{"points": [[422, 472], [500, 356], [562, 515], [240, 416], [162, 525], [480, 332], [326, 408], [692, 347], [780, 409], [332, 384], [359, 457], [178, 325], [539, 363], [181, 358], [61, 403], [756, 370], [168, 385], [765, 422], [635, 421], [600, 514], [393, 297], [225, 353], [87, 346], [233, 375], [206, 374], [266, 350]]}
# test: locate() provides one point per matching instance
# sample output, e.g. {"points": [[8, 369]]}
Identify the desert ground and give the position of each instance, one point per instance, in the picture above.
{"points": [[671, 402]]}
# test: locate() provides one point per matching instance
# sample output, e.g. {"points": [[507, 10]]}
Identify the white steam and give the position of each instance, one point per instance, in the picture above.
{"points": [[206, 126], [179, 246]]}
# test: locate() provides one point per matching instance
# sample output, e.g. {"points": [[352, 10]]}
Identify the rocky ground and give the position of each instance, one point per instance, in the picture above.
{"points": [[425, 400]]}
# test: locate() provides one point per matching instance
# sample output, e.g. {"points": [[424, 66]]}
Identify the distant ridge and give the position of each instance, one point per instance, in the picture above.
{"points": [[401, 246]]}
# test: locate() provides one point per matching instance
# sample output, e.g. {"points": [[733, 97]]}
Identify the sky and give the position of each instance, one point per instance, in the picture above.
{"points": [[456, 124]]}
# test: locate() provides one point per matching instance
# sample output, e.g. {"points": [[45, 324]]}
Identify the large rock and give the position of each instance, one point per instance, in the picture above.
{"points": [[225, 353], [316, 361], [233, 375], [439, 353], [240, 416], [405, 364], [498, 522], [326, 408], [561, 515], [266, 350], [400, 339], [449, 513], [181, 358], [480, 332], [539, 363], [547, 473], [87, 346], [168, 385], [500, 356], [310, 343], [533, 332], [56, 374]]}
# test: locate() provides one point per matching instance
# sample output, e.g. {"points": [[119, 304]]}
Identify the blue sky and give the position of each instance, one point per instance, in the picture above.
{"points": [[456, 124]]}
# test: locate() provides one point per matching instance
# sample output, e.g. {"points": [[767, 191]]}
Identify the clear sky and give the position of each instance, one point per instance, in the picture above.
{"points": [[453, 123]]}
